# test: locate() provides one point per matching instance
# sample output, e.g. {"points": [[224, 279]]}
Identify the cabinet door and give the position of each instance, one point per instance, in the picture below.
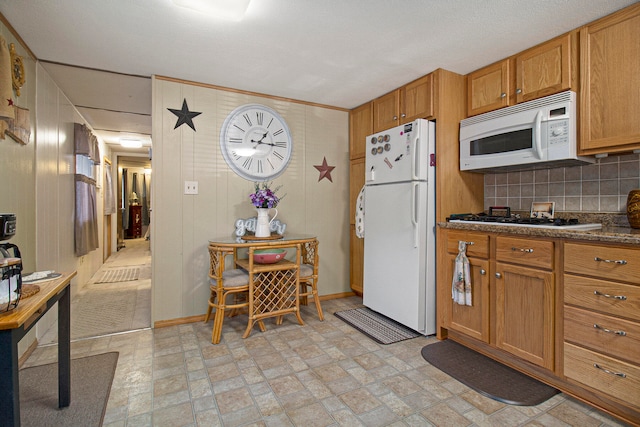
{"points": [[472, 320], [544, 70], [385, 111], [356, 257], [417, 100], [488, 88], [610, 83], [524, 313], [360, 126]]}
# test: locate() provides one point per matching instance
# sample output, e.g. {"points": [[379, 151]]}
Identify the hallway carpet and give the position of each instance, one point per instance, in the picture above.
{"points": [[99, 309]]}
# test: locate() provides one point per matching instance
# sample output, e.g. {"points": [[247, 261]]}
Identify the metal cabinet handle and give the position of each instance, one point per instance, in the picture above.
{"points": [[617, 261], [395, 118], [609, 331], [468, 243], [403, 115], [498, 275], [618, 374], [483, 271], [503, 95], [518, 91], [602, 294], [528, 250]]}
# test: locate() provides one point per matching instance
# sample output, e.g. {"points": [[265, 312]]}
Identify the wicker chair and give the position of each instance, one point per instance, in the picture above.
{"points": [[273, 289], [224, 284], [309, 275]]}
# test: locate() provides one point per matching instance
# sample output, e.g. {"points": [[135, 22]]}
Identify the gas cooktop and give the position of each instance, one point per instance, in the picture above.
{"points": [[557, 223]]}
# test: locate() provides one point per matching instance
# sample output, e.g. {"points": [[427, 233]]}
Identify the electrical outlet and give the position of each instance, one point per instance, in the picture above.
{"points": [[191, 187]]}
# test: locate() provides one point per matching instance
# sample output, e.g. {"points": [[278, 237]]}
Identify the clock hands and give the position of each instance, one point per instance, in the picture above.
{"points": [[260, 140]]}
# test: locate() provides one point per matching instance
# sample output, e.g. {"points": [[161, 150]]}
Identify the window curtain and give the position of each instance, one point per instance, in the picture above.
{"points": [[86, 215], [145, 201], [109, 195]]}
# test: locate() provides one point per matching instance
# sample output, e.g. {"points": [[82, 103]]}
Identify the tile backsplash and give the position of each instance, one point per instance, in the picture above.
{"points": [[601, 187]]}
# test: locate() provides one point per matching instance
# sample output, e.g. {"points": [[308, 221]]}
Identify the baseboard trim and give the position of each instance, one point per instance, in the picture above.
{"points": [[200, 318]]}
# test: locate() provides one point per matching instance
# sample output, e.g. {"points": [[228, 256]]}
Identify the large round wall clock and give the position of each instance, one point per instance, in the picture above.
{"points": [[255, 142]]}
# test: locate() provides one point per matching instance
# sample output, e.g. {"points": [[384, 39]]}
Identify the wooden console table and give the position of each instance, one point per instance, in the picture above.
{"points": [[15, 324]]}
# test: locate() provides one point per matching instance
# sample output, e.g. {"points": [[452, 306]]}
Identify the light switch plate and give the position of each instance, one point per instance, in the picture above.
{"points": [[191, 187]]}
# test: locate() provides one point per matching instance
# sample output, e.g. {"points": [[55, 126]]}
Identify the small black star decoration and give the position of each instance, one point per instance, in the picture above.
{"points": [[325, 170], [184, 115]]}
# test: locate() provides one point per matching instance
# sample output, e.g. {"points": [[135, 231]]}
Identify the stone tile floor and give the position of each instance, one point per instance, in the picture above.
{"points": [[320, 374]]}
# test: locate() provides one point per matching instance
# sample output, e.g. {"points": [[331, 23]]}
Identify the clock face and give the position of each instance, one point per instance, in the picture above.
{"points": [[255, 142]]}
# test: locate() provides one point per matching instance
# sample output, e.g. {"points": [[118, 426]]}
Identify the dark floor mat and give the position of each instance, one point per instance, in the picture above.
{"points": [[376, 326], [486, 376]]}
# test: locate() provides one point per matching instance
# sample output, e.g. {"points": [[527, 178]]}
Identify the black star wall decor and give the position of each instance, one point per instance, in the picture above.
{"points": [[325, 170], [184, 115]]}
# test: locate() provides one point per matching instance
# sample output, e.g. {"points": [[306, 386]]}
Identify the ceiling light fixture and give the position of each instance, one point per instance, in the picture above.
{"points": [[231, 10], [130, 143]]}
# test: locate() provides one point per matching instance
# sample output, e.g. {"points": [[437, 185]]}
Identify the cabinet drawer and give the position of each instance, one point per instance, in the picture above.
{"points": [[588, 367], [613, 298], [532, 253], [605, 334], [603, 261], [479, 248]]}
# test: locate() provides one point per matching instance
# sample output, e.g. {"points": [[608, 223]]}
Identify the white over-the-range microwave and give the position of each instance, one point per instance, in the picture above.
{"points": [[537, 134]]}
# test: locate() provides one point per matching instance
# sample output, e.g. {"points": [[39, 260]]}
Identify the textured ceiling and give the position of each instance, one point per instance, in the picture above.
{"points": [[334, 52]]}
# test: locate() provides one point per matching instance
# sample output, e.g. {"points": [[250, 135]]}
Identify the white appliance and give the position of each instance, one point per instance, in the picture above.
{"points": [[537, 134], [399, 225]]}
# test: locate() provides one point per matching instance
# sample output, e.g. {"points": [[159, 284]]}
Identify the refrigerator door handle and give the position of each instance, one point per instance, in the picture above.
{"points": [[414, 213], [416, 159]]}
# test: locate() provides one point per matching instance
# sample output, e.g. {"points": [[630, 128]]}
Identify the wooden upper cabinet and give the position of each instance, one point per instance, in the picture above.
{"points": [[488, 88], [610, 83], [360, 126], [540, 71], [408, 103], [544, 69], [417, 98], [386, 111]]}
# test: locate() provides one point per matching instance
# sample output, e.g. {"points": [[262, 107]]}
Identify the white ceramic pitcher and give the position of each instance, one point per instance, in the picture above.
{"points": [[263, 224]]}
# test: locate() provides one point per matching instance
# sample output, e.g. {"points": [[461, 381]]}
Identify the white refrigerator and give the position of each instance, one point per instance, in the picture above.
{"points": [[399, 225]]}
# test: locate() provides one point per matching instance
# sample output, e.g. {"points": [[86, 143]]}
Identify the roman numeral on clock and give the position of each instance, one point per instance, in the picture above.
{"points": [[278, 132], [247, 163], [239, 128], [280, 144], [247, 119], [259, 117], [278, 155], [235, 140], [259, 165]]}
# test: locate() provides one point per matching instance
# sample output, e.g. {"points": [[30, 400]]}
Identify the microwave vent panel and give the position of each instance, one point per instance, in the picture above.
{"points": [[567, 96]]}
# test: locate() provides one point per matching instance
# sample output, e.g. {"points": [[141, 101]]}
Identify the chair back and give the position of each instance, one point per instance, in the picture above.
{"points": [[217, 256], [310, 255]]}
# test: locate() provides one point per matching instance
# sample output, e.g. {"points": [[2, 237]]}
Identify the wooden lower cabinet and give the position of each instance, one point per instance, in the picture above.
{"points": [[524, 313], [470, 320], [602, 320], [356, 257], [564, 311]]}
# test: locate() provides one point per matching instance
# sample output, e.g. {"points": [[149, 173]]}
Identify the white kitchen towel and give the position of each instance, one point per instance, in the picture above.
{"points": [[360, 214], [461, 286]]}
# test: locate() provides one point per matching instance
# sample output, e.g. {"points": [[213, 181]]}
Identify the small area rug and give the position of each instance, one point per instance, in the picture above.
{"points": [[91, 379], [120, 275], [485, 375], [376, 326]]}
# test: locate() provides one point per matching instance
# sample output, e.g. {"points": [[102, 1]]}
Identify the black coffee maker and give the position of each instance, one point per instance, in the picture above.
{"points": [[10, 265]]}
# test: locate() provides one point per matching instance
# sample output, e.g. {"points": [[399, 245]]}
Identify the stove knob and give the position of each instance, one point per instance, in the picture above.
{"points": [[557, 131]]}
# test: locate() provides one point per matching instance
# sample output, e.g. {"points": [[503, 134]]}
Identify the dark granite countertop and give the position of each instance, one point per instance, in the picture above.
{"points": [[610, 232]]}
